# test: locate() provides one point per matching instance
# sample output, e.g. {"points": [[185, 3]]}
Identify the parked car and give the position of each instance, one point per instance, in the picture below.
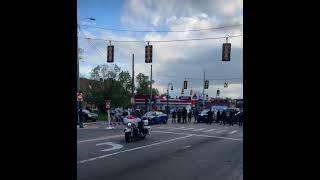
{"points": [[155, 117], [89, 115]]}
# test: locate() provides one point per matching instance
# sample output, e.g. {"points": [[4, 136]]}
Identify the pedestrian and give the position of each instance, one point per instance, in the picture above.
{"points": [[232, 118], [240, 119], [184, 115], [223, 117], [209, 117], [179, 115], [189, 116], [174, 116], [218, 117], [196, 116]]}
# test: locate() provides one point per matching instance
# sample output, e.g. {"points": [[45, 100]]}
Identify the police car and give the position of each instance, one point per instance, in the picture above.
{"points": [[155, 117]]}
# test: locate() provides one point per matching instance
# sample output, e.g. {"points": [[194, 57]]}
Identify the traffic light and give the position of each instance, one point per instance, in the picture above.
{"points": [[226, 51], [226, 84], [185, 84], [110, 54], [191, 92], [206, 84], [218, 92], [148, 54]]}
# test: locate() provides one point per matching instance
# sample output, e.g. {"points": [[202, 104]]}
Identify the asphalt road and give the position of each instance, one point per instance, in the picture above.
{"points": [[172, 151]]}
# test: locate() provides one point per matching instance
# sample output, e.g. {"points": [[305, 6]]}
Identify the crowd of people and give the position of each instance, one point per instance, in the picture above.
{"points": [[224, 117]]}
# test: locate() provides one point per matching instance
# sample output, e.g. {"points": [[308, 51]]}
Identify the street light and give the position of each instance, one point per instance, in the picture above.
{"points": [[79, 108], [168, 97]]}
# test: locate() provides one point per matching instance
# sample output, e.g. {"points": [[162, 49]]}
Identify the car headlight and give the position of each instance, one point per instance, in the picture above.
{"points": [[129, 124]]}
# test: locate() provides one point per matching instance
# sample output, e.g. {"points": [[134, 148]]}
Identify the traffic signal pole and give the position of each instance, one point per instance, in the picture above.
{"points": [[204, 78], [132, 88], [150, 105]]}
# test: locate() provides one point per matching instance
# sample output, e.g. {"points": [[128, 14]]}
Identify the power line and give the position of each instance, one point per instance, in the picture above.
{"points": [[191, 30], [175, 40]]}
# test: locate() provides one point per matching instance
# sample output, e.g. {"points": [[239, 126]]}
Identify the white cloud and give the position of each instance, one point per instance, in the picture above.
{"points": [[179, 59]]}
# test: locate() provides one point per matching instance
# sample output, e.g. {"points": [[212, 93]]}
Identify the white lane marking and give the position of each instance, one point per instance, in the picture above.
{"points": [[101, 138], [187, 129], [210, 130], [128, 150], [171, 127], [200, 135], [221, 131], [199, 129], [114, 146], [232, 132]]}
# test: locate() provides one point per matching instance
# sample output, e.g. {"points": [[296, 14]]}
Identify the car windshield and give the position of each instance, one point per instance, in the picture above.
{"points": [[150, 114], [205, 111]]}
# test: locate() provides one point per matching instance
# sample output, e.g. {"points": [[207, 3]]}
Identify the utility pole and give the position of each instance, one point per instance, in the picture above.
{"points": [[132, 88], [204, 78], [150, 106]]}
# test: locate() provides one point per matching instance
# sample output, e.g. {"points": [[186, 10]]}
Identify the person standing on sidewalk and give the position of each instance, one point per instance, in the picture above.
{"points": [[210, 117], [189, 116], [174, 116], [179, 115], [184, 115], [218, 120], [196, 116]]}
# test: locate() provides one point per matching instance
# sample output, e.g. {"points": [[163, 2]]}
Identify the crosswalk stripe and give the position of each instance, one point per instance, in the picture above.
{"points": [[199, 129], [232, 132], [221, 131], [187, 129], [210, 130]]}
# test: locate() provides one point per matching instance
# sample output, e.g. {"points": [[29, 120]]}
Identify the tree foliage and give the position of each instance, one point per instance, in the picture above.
{"points": [[110, 82]]}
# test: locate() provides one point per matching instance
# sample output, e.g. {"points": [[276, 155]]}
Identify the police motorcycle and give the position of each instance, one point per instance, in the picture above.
{"points": [[135, 128]]}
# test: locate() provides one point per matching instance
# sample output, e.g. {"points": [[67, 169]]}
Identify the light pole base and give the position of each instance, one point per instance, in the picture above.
{"points": [[110, 127]]}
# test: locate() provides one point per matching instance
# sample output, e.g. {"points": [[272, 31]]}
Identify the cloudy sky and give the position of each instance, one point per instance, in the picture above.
{"points": [[172, 61]]}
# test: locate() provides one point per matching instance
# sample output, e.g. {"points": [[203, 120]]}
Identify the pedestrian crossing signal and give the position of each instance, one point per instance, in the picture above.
{"points": [[185, 84], [110, 54], [226, 51], [148, 54], [206, 84]]}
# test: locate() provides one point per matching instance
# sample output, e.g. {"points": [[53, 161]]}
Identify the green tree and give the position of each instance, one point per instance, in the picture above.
{"points": [[105, 71], [143, 85]]}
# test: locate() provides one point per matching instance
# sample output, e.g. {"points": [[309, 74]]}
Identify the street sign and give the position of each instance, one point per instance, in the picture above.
{"points": [[79, 97]]}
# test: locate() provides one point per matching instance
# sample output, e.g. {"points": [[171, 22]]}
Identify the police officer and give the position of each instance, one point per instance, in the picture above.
{"points": [[218, 117], [231, 118], [174, 116], [184, 115], [179, 115], [189, 116], [223, 117], [210, 117], [240, 119], [196, 115]]}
